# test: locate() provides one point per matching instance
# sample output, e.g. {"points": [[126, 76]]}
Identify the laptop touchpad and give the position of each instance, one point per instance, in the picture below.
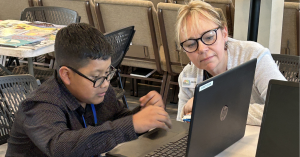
{"points": [[158, 133]]}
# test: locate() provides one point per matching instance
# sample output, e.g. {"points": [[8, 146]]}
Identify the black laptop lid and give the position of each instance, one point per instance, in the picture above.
{"points": [[220, 110], [279, 133]]}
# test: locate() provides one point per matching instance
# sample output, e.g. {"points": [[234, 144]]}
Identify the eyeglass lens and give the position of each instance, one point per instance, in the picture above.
{"points": [[208, 39], [101, 80]]}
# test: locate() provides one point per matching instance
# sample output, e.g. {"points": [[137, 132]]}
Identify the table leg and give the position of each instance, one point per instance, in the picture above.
{"points": [[30, 66]]}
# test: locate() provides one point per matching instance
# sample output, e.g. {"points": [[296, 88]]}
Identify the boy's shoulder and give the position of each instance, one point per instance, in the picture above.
{"points": [[49, 92]]}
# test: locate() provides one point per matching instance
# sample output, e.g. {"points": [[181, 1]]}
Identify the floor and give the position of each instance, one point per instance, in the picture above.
{"points": [[143, 89]]}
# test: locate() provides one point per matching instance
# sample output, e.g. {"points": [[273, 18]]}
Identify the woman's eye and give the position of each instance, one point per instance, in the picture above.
{"points": [[209, 38], [191, 45]]}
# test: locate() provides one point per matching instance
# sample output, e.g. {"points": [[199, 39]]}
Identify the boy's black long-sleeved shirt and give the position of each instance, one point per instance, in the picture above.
{"points": [[49, 123]]}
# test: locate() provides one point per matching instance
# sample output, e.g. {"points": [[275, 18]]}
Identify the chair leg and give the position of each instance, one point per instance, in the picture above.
{"points": [[121, 86], [175, 96], [163, 84], [166, 89], [132, 87], [125, 71], [135, 84]]}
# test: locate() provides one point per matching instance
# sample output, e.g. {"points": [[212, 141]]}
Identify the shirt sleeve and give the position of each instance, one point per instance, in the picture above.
{"points": [[47, 127], [266, 69], [124, 111]]}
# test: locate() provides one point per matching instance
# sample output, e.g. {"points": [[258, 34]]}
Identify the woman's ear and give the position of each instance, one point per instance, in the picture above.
{"points": [[225, 33], [64, 74]]}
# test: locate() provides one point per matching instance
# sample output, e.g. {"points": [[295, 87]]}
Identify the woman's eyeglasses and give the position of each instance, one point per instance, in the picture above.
{"points": [[99, 81], [208, 38]]}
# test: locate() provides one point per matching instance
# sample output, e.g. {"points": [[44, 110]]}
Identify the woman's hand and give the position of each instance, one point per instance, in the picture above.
{"points": [[188, 107]]}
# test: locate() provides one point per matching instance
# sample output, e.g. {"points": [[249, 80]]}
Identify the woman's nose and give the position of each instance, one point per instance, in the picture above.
{"points": [[202, 48]]}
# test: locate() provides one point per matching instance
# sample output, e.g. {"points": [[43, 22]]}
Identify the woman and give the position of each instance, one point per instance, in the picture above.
{"points": [[203, 36]]}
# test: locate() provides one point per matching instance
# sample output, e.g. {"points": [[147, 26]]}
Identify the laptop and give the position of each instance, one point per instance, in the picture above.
{"points": [[279, 133], [218, 120]]}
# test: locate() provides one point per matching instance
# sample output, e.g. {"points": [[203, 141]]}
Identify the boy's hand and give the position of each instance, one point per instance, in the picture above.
{"points": [[152, 98], [188, 107], [151, 117]]}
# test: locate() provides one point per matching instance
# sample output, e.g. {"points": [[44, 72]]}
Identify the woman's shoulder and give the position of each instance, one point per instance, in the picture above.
{"points": [[247, 49], [244, 45]]}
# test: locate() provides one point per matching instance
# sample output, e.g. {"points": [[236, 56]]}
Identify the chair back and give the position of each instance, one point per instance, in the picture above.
{"points": [[290, 29], [11, 9], [228, 10], [120, 41], [13, 90], [288, 65], [55, 15], [85, 8], [175, 58], [117, 14]]}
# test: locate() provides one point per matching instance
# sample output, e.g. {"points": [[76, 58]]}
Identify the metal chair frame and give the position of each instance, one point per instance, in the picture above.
{"points": [[288, 65]]}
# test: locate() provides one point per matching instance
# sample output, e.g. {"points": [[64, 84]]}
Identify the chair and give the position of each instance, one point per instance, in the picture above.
{"points": [[13, 90], [288, 65], [120, 41], [83, 7], [175, 59], [227, 7], [146, 48], [290, 29], [55, 15], [228, 10]]}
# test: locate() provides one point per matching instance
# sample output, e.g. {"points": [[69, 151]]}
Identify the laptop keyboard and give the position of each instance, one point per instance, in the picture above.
{"points": [[172, 149]]}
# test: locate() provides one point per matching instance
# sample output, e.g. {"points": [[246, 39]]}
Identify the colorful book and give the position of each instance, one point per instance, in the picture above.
{"points": [[11, 31], [38, 32], [19, 40], [30, 27]]}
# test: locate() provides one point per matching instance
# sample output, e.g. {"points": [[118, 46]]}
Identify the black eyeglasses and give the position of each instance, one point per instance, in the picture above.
{"points": [[208, 38], [99, 81]]}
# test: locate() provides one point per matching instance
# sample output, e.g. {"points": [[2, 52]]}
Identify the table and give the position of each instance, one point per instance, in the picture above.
{"points": [[26, 53], [245, 147]]}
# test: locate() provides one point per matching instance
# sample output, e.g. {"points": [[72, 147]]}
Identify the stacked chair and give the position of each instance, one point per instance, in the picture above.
{"points": [[228, 11], [291, 29], [116, 14]]}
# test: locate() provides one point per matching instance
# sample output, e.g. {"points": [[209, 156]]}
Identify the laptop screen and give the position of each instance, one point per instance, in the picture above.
{"points": [[279, 134]]}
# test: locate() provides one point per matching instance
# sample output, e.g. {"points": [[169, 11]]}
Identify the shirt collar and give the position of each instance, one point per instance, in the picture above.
{"points": [[70, 99]]}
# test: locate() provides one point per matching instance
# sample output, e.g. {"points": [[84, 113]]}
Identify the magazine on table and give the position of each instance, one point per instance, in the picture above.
{"points": [[10, 23], [38, 32], [19, 40], [11, 31]]}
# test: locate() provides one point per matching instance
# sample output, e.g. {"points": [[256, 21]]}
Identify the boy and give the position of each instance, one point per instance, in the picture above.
{"points": [[75, 113]]}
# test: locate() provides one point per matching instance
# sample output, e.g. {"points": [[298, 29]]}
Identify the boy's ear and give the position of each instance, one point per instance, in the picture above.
{"points": [[64, 74]]}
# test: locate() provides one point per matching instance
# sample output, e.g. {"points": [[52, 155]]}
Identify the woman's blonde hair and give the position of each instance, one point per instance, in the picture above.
{"points": [[195, 9]]}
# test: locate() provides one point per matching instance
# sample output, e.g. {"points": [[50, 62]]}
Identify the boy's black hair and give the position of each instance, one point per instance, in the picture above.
{"points": [[78, 43]]}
